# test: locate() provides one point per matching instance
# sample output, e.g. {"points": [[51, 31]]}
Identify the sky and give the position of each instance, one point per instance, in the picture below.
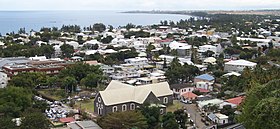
{"points": [[12, 5]]}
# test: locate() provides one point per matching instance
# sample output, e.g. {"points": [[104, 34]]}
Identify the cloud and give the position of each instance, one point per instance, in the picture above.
{"points": [[137, 4]]}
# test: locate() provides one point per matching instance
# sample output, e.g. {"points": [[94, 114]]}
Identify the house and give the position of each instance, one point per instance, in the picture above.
{"points": [[204, 78], [218, 118], [188, 96], [236, 100], [179, 89], [204, 48], [231, 74], [83, 125], [122, 97], [202, 104], [138, 62], [204, 85], [209, 60], [74, 44], [108, 70], [183, 49], [124, 75], [238, 65]]}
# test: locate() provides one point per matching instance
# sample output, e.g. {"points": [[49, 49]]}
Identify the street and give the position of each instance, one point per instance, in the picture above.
{"points": [[195, 116]]}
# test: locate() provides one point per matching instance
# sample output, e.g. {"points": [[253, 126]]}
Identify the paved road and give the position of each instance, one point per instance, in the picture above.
{"points": [[192, 110]]}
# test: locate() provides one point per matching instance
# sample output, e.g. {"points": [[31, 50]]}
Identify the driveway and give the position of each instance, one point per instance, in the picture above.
{"points": [[195, 116]]}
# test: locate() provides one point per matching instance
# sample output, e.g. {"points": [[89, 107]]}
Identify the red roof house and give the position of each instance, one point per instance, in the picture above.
{"points": [[236, 100], [189, 95], [67, 120]]}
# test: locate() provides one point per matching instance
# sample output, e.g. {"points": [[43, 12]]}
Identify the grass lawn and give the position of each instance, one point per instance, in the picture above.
{"points": [[176, 105], [86, 105], [52, 94]]}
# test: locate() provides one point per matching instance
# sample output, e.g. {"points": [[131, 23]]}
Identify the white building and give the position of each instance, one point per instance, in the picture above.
{"points": [[138, 62], [124, 75], [238, 65], [204, 85], [214, 48], [218, 118], [183, 49], [74, 44], [107, 69]]}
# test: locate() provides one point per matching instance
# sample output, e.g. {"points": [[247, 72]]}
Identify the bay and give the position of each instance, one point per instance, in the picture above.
{"points": [[14, 20]]}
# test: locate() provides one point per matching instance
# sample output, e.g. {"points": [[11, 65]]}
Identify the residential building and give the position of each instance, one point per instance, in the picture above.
{"points": [[188, 97], [179, 89], [204, 85], [122, 97], [204, 78], [83, 125], [138, 62], [50, 67], [202, 104], [236, 100], [218, 118], [238, 65]]}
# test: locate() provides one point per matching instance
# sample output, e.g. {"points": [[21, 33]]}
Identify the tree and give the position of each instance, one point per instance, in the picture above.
{"points": [[107, 39], [129, 26], [7, 123], [92, 80], [14, 100], [208, 53], [229, 111], [178, 73], [123, 120], [261, 107], [181, 117], [47, 50], [169, 121], [28, 80], [79, 71], [99, 27], [70, 84], [67, 50], [152, 115], [34, 119]]}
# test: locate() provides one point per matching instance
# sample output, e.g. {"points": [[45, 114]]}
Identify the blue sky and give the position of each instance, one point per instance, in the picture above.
{"points": [[138, 4]]}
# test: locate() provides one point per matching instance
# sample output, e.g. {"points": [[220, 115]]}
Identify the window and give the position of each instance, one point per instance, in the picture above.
{"points": [[165, 100], [99, 111], [115, 108], [132, 106], [161, 111], [99, 99], [124, 107]]}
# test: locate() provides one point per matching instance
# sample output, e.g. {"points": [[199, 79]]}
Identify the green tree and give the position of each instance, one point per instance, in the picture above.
{"points": [[261, 107], [123, 120], [7, 123], [92, 80], [34, 119], [70, 84], [47, 50], [14, 100], [169, 121], [67, 50], [79, 71], [181, 118], [100, 27], [152, 115]]}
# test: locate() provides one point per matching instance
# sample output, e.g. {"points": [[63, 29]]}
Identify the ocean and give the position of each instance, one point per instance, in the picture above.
{"points": [[13, 20]]}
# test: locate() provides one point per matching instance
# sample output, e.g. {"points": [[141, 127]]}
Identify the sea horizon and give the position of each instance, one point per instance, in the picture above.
{"points": [[12, 21]]}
